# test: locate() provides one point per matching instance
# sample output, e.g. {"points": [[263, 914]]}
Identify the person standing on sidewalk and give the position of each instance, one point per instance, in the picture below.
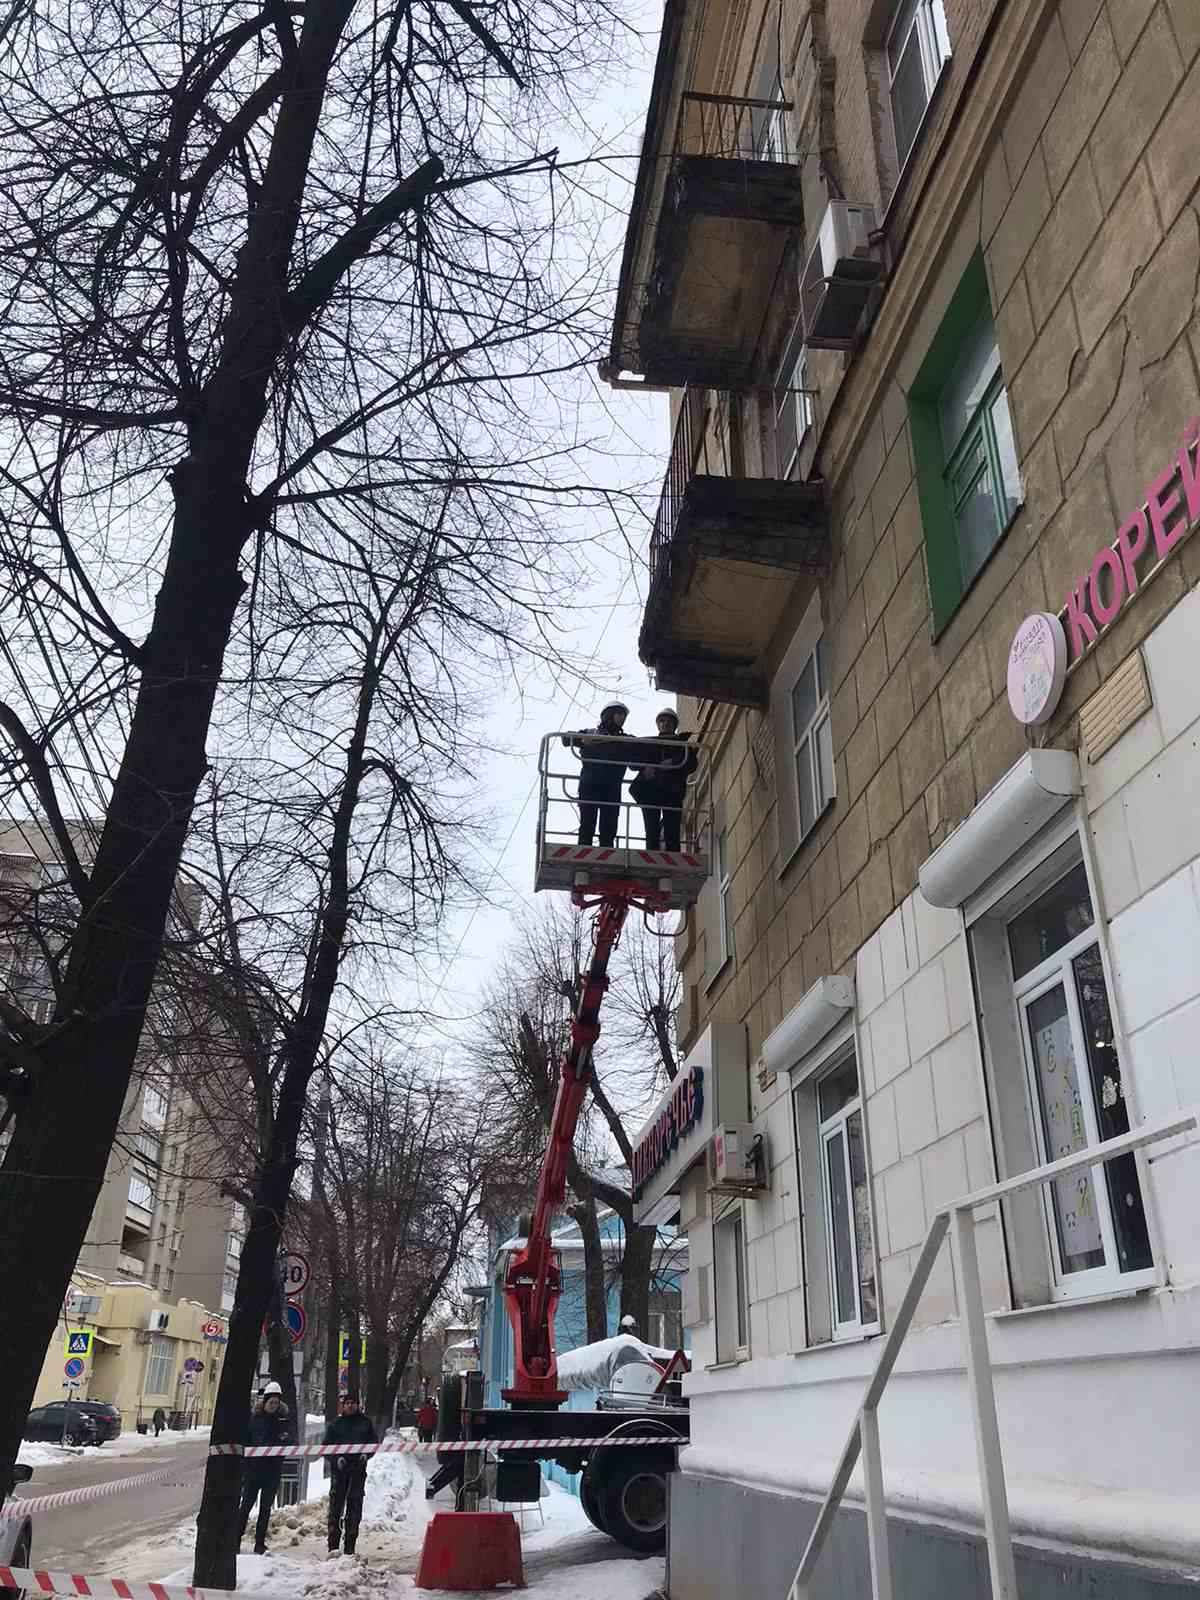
{"points": [[349, 1481], [426, 1422], [270, 1423]]}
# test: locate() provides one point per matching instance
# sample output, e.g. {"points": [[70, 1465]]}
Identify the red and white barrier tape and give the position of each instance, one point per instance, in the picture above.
{"points": [[15, 1507], [409, 1447], [76, 1583]]}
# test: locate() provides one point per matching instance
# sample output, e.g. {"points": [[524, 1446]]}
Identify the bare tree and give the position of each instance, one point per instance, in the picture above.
{"points": [[408, 1158], [525, 1034], [276, 292]]}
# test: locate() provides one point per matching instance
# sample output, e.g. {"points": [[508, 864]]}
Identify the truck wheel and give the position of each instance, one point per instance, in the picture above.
{"points": [[21, 1557], [589, 1499], [632, 1497]]}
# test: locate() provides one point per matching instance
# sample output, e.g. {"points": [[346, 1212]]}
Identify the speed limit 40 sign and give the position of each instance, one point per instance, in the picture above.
{"points": [[296, 1273]]}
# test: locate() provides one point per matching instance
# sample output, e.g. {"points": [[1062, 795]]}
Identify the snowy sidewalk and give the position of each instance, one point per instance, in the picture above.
{"points": [[564, 1556]]}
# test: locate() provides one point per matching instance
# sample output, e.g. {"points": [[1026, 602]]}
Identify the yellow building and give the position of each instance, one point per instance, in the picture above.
{"points": [[138, 1351]]}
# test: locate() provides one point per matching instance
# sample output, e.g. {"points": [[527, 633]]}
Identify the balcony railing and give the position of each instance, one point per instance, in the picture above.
{"points": [[698, 449], [958, 1220], [730, 129]]}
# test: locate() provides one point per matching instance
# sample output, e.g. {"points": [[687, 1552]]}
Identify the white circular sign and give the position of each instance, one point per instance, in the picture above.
{"points": [[296, 1273], [1037, 669]]}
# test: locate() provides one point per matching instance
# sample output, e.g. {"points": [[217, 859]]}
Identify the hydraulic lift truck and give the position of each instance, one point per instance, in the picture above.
{"points": [[624, 1488]]}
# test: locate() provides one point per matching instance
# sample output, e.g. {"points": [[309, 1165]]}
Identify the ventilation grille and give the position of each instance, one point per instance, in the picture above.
{"points": [[1115, 707]]}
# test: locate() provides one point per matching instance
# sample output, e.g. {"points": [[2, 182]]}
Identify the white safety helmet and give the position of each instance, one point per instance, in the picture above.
{"points": [[272, 1388], [613, 705]]}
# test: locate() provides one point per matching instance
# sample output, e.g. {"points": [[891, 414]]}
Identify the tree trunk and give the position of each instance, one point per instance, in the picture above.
{"points": [[637, 1265], [595, 1289], [378, 1405], [118, 943], [216, 1525]]}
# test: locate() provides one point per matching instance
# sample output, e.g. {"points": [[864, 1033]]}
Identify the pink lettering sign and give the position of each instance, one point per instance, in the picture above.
{"points": [[1169, 511]]}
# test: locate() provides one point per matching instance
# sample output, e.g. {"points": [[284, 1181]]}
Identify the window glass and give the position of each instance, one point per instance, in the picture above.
{"points": [[917, 45], [968, 382], [847, 1196], [1080, 1242], [860, 1190], [909, 97], [839, 1222], [837, 1088], [804, 698], [1112, 1116], [1053, 920]]}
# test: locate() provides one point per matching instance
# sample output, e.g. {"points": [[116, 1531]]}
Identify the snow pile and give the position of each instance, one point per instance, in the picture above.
{"points": [[36, 1454], [595, 1366], [46, 1455]]}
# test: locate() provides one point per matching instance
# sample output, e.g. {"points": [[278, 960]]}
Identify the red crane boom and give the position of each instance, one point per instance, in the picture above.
{"points": [[533, 1283]]}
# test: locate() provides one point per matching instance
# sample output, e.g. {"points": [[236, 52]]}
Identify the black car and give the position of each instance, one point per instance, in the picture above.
{"points": [[82, 1421]]}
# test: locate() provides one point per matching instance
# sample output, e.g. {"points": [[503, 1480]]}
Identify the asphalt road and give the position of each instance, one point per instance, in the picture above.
{"points": [[92, 1537]]}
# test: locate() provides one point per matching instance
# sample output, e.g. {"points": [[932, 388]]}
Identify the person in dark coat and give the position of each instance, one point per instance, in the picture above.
{"points": [[660, 789], [270, 1423], [159, 1420], [602, 775], [349, 1472]]}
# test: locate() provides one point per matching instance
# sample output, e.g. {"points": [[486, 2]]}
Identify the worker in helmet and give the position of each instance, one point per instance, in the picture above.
{"points": [[661, 788], [602, 774], [269, 1425]]}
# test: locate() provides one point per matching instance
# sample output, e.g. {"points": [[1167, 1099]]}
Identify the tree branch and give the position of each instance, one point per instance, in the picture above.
{"points": [[319, 282], [39, 771]]}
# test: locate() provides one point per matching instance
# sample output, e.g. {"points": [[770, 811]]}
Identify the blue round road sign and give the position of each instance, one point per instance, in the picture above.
{"points": [[296, 1321], [74, 1368]]}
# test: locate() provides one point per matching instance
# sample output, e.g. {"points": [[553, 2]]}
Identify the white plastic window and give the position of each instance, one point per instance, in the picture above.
{"points": [[812, 736], [792, 404], [1096, 1221], [918, 46], [850, 1237], [160, 1367], [733, 1311], [724, 897]]}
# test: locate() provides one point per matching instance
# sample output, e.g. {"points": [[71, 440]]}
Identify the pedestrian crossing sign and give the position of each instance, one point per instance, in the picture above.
{"points": [[79, 1343], [345, 1351]]}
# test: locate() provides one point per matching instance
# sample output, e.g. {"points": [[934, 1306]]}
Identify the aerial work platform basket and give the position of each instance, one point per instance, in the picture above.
{"points": [[565, 863]]}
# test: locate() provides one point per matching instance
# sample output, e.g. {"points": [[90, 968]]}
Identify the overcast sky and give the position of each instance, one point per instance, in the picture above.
{"points": [[632, 436]]}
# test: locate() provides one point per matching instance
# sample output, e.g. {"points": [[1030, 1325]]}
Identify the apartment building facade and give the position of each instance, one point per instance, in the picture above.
{"points": [[161, 1219], [921, 278]]}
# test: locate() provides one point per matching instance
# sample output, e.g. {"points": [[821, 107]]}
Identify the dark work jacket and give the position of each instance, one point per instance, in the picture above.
{"points": [[666, 786], [351, 1430], [603, 767], [268, 1429]]}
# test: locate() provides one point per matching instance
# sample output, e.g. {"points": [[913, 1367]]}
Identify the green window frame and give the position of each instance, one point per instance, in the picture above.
{"points": [[967, 472]]}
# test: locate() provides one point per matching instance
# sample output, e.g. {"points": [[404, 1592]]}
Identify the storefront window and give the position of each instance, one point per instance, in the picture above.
{"points": [[1096, 1219], [850, 1236]]}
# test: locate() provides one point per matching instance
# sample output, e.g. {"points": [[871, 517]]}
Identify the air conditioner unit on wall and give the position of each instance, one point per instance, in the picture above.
{"points": [[841, 272], [83, 1306], [159, 1321], [736, 1161]]}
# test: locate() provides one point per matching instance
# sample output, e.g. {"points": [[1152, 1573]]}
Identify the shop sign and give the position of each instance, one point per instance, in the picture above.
{"points": [[1037, 669], [1169, 511], [675, 1120]]}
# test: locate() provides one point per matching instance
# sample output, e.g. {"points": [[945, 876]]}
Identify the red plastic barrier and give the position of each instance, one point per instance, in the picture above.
{"points": [[471, 1550]]}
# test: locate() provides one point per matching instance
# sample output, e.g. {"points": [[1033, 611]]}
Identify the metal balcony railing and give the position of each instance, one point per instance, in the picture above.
{"points": [[702, 443], [958, 1220], [727, 128]]}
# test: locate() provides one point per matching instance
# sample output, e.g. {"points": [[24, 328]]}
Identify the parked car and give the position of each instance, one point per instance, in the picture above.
{"points": [[16, 1537], [82, 1421]]}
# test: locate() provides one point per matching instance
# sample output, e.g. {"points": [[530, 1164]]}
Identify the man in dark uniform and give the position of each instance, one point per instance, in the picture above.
{"points": [[349, 1472], [661, 789], [602, 775]]}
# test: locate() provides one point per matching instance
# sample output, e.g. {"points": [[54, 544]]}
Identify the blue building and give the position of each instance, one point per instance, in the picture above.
{"points": [[665, 1323]]}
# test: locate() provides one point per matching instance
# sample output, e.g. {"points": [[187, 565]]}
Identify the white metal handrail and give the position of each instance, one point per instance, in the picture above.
{"points": [[959, 1220]]}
